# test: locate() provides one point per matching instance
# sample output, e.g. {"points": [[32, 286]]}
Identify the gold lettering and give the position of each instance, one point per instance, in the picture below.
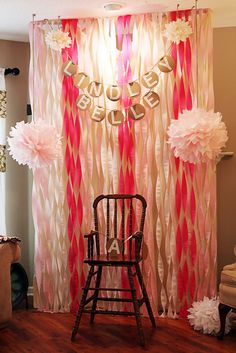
{"points": [[113, 93], [95, 89], [150, 79], [83, 102], [151, 99], [133, 89], [115, 117], [136, 111], [98, 113], [81, 80]]}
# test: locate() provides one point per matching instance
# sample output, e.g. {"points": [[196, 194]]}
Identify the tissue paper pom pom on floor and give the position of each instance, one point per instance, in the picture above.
{"points": [[204, 316], [197, 136], [57, 39], [35, 144], [178, 30]]}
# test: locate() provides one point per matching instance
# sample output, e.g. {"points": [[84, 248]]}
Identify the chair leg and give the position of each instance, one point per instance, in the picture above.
{"points": [[223, 311], [145, 295], [98, 280], [82, 303], [136, 307]]}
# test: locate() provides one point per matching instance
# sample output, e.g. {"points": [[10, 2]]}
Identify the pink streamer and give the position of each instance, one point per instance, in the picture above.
{"points": [[181, 289], [192, 286], [182, 95], [177, 162], [125, 140], [174, 56], [182, 99], [181, 54], [185, 235], [73, 167], [179, 243], [192, 206], [175, 102], [177, 198], [184, 192], [185, 278], [193, 248], [188, 55], [191, 168]]}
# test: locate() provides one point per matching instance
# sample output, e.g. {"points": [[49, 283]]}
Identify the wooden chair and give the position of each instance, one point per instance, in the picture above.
{"points": [[116, 242]]}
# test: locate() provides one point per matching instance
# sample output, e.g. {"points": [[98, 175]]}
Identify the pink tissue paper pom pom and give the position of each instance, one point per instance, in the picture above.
{"points": [[197, 136], [36, 144]]}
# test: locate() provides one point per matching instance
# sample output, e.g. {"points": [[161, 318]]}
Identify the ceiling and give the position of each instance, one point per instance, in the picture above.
{"points": [[15, 15]]}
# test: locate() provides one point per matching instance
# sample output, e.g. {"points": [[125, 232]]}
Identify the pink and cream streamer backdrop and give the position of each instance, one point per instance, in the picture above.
{"points": [[180, 230]]}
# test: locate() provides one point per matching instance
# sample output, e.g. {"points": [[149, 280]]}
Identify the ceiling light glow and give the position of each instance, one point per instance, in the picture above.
{"points": [[113, 6]]}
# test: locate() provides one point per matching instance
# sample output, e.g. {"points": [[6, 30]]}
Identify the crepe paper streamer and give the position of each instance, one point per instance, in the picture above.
{"points": [[180, 232], [51, 279], [125, 140], [181, 85], [193, 232], [74, 170]]}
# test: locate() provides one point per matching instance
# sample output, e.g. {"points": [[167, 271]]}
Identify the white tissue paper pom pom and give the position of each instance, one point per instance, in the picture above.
{"points": [[57, 39], [177, 31], [35, 144], [197, 136], [204, 316]]}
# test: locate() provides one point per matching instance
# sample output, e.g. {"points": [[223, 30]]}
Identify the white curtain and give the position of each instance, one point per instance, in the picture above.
{"points": [[2, 151]]}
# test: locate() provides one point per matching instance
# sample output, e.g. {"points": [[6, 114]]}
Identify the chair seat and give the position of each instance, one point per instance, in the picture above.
{"points": [[108, 260], [231, 267], [228, 277], [228, 285]]}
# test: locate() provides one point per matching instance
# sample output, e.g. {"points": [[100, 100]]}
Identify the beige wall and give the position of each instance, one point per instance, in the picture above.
{"points": [[225, 102], [19, 219], [16, 54]]}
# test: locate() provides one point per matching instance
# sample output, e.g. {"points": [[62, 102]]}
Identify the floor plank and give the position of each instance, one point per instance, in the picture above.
{"points": [[35, 332]]}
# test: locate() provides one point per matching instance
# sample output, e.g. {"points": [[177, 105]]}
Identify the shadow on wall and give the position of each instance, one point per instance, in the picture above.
{"points": [[224, 88]]}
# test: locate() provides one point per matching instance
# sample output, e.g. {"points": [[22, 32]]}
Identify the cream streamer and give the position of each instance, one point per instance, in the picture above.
{"points": [[51, 281]]}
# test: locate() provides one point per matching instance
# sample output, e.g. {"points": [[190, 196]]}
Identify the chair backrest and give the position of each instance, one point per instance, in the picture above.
{"points": [[118, 216]]}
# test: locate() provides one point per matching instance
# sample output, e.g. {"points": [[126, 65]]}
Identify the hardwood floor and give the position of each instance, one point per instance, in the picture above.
{"points": [[35, 332]]}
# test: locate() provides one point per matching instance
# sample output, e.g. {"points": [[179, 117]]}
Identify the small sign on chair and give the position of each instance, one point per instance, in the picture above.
{"points": [[114, 247]]}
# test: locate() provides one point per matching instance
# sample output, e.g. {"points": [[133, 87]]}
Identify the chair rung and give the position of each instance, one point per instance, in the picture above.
{"points": [[90, 299], [112, 289], [109, 312], [141, 301], [95, 273], [108, 299]]}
